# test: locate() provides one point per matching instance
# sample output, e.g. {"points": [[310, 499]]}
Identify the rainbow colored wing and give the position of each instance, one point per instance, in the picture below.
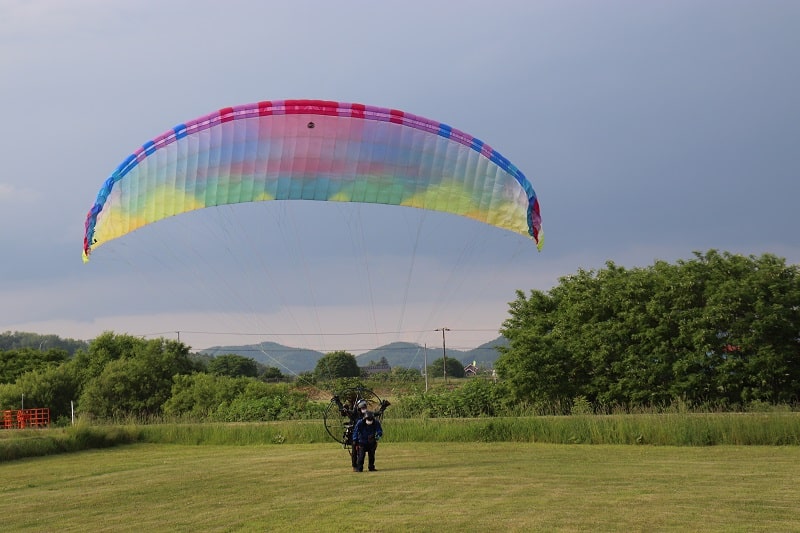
{"points": [[312, 150]]}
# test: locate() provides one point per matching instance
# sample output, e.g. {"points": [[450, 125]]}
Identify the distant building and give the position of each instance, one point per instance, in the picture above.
{"points": [[381, 367], [471, 370]]}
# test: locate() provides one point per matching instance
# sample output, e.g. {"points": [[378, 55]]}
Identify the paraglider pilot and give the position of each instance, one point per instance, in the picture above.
{"points": [[355, 414], [366, 434]]}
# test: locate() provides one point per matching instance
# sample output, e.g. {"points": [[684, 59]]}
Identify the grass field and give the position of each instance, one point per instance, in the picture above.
{"points": [[506, 486], [661, 429]]}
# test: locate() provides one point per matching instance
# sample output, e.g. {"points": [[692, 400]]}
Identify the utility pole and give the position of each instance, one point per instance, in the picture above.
{"points": [[425, 368], [444, 352]]}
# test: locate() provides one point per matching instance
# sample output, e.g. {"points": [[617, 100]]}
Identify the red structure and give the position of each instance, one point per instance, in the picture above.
{"points": [[26, 418]]}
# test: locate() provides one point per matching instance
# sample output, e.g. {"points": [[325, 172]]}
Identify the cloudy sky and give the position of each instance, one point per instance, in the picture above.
{"points": [[648, 129]]}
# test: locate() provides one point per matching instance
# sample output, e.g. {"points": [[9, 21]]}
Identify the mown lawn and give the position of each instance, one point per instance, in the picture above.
{"points": [[419, 487]]}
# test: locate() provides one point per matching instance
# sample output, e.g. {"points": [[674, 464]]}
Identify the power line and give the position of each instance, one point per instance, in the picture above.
{"points": [[273, 334]]}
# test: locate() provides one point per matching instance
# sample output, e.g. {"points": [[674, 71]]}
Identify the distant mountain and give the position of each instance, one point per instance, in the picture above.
{"points": [[403, 354], [285, 358], [485, 354]]}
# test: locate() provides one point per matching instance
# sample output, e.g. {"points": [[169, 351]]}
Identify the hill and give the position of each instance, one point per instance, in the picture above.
{"points": [[287, 359], [403, 354], [485, 354], [410, 355]]}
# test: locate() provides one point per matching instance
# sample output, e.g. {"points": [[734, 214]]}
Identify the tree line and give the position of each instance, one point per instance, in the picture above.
{"points": [[121, 376], [717, 330]]}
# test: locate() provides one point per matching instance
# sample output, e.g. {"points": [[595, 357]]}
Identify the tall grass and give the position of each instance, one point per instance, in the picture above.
{"points": [[660, 429], [236, 434], [653, 429], [17, 444]]}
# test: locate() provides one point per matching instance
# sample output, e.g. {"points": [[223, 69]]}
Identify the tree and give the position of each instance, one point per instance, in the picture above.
{"points": [[16, 362], [272, 373], [455, 368], [233, 365], [719, 328], [53, 387], [35, 341], [339, 364], [406, 374], [102, 350], [536, 364], [137, 377], [753, 325], [200, 395]]}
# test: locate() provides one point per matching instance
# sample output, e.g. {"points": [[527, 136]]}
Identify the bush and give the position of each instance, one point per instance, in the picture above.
{"points": [[581, 406], [476, 397]]}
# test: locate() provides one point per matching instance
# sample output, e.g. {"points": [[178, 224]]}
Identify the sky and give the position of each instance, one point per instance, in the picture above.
{"points": [[649, 130]]}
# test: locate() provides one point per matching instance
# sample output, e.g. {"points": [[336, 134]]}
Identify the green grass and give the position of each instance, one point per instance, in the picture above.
{"points": [[680, 429], [419, 487], [663, 429]]}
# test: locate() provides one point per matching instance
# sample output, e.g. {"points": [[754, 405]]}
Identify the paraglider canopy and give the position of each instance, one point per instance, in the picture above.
{"points": [[312, 150]]}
